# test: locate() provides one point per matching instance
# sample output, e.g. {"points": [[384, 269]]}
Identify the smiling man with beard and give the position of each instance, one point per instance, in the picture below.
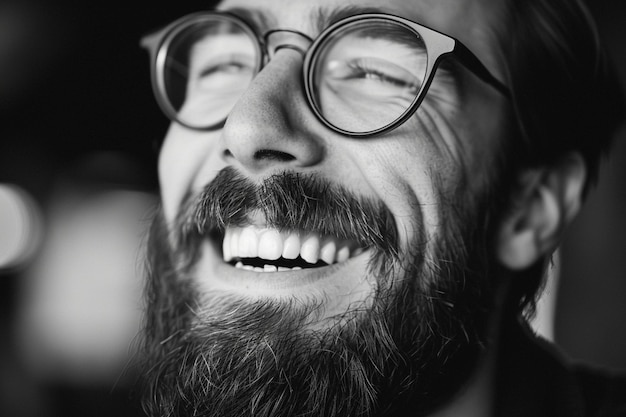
{"points": [[360, 202]]}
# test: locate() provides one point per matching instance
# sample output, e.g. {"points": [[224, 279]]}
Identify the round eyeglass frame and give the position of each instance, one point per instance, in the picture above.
{"points": [[159, 43], [438, 45]]}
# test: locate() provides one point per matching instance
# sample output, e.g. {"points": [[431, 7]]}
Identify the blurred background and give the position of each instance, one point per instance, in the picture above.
{"points": [[79, 135]]}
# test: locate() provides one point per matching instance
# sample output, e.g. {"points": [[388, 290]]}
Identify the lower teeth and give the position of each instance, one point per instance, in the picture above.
{"points": [[266, 268]]}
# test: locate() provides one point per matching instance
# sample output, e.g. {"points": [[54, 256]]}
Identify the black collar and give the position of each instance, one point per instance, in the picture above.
{"points": [[532, 379]]}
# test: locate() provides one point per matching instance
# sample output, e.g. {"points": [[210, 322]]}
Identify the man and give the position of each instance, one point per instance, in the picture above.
{"points": [[359, 204]]}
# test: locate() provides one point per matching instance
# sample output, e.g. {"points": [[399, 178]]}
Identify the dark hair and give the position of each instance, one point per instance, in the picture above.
{"points": [[565, 95]]}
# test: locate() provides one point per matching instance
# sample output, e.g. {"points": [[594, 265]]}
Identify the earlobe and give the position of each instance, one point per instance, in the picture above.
{"points": [[546, 203]]}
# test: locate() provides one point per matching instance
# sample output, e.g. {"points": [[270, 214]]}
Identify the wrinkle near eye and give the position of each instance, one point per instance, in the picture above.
{"points": [[447, 86], [435, 126]]}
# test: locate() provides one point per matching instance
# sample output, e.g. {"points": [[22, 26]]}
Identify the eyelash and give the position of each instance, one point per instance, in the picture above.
{"points": [[218, 67], [364, 68]]}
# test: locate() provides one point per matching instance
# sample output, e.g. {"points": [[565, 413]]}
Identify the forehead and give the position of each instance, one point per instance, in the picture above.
{"points": [[473, 22]]}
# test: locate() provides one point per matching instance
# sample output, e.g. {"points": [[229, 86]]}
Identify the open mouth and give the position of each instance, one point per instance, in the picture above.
{"points": [[261, 249]]}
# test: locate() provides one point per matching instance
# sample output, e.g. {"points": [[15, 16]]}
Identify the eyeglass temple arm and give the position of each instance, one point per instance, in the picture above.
{"points": [[472, 63]]}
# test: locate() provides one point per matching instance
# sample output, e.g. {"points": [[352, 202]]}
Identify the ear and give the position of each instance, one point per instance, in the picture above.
{"points": [[548, 200]]}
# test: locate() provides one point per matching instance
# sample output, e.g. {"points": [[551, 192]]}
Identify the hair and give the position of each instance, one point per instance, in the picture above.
{"points": [[565, 97]]}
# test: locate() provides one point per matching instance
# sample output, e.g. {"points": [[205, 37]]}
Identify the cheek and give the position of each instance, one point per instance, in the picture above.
{"points": [[182, 157], [399, 169], [483, 127]]}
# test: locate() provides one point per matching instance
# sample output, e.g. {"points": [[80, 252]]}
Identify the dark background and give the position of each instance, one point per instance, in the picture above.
{"points": [[591, 308], [74, 80]]}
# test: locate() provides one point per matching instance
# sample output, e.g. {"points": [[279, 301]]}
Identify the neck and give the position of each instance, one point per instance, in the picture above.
{"points": [[477, 397]]}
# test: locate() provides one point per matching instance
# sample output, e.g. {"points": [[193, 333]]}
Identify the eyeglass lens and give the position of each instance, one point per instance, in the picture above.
{"points": [[367, 75], [209, 65], [364, 76]]}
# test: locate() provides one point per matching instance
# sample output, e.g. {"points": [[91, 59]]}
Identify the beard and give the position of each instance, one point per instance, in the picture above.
{"points": [[409, 350]]}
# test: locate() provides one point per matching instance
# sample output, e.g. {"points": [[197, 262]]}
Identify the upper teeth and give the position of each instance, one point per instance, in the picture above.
{"points": [[270, 244]]}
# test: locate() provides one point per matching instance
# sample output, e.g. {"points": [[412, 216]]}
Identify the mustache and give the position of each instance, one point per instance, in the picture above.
{"points": [[288, 201]]}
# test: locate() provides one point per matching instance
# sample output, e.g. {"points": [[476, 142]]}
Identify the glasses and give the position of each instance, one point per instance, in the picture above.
{"points": [[362, 76]]}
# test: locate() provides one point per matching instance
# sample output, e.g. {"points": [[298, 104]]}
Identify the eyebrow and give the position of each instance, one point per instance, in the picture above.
{"points": [[261, 22], [324, 17]]}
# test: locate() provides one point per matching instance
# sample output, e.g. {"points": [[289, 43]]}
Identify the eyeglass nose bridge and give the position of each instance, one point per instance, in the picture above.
{"points": [[278, 39]]}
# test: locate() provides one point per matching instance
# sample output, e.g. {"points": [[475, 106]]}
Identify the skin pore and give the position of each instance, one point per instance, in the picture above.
{"points": [[422, 177]]}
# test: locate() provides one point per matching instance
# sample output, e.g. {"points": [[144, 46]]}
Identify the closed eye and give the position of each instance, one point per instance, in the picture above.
{"points": [[383, 72]]}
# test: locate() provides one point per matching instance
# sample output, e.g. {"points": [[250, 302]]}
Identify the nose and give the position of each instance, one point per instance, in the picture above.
{"points": [[271, 127]]}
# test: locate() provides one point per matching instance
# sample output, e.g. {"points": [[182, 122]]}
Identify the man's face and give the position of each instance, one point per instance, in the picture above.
{"points": [[412, 171], [301, 236]]}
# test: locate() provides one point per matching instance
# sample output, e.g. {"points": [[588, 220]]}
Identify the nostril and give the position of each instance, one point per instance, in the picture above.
{"points": [[273, 155]]}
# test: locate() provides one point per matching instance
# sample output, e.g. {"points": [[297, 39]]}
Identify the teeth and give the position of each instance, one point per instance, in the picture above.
{"points": [[343, 254], [234, 242], [270, 244], [266, 268], [291, 246], [226, 244], [327, 253], [310, 250], [248, 243]]}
